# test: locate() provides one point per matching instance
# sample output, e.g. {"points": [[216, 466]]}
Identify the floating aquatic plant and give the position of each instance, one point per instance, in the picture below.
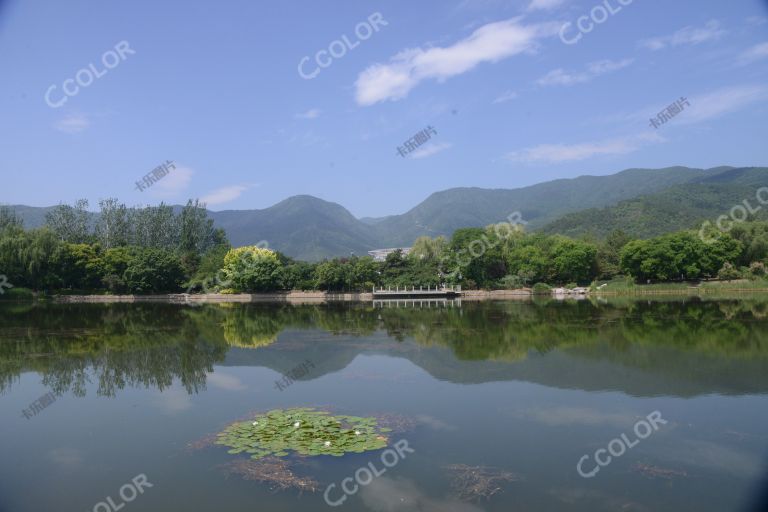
{"points": [[472, 483], [305, 431], [272, 471]]}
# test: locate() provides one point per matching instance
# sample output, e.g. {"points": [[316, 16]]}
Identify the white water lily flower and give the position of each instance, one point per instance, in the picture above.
{"points": [[255, 423], [297, 424], [327, 443], [357, 432]]}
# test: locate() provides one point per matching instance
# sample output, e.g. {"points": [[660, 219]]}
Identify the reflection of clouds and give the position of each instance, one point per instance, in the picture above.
{"points": [[711, 456], [562, 416], [432, 422], [173, 400], [66, 458], [225, 381], [600, 500], [390, 495]]}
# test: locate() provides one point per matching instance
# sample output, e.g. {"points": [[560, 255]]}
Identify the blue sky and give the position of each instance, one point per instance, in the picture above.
{"points": [[216, 87]]}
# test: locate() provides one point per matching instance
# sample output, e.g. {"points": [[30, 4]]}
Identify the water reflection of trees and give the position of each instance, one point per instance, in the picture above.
{"points": [[151, 345]]}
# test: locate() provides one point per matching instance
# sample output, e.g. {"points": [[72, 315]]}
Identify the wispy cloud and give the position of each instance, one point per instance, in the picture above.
{"points": [[312, 113], [686, 36], [225, 381], [506, 96], [172, 400], [756, 21], [723, 101], [429, 150], [173, 184], [546, 5], [594, 69], [568, 416], [490, 43], [224, 194], [556, 153], [73, 123], [757, 52]]}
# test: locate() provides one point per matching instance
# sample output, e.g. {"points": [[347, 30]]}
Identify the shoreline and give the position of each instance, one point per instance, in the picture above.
{"points": [[320, 297]]}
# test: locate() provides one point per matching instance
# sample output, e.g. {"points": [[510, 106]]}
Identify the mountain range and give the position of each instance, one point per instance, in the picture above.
{"points": [[642, 202]]}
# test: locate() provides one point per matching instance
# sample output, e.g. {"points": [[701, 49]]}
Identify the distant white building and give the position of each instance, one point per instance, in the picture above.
{"points": [[381, 254]]}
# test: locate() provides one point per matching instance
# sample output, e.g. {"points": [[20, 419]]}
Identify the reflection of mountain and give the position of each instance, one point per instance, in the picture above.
{"points": [[677, 348]]}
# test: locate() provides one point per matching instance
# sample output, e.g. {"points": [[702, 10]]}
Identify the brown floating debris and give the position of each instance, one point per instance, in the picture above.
{"points": [[201, 444], [475, 482], [397, 422], [270, 470]]}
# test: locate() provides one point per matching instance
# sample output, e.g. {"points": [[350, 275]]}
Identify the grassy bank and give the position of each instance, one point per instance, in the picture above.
{"points": [[628, 287]]}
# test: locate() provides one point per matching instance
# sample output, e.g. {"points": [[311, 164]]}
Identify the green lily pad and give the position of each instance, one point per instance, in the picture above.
{"points": [[303, 431]]}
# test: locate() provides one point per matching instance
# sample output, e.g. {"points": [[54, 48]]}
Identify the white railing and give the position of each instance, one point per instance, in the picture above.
{"points": [[420, 290]]}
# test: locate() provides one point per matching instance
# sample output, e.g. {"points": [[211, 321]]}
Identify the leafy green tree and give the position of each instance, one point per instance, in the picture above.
{"points": [[196, 232], [10, 223], [331, 275], [299, 275], [252, 269], [70, 223], [573, 260], [112, 225], [154, 226], [153, 271], [609, 254], [82, 266]]}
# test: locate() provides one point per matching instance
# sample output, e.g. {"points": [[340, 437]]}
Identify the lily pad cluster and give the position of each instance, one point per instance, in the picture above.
{"points": [[305, 431]]}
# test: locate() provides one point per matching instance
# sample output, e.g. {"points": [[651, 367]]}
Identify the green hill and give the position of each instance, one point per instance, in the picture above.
{"points": [[676, 208], [643, 202]]}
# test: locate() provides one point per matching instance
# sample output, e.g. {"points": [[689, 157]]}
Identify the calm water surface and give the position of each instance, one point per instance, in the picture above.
{"points": [[524, 388]]}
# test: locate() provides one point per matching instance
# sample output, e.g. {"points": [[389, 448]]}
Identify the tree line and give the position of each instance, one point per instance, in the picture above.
{"points": [[156, 249]]}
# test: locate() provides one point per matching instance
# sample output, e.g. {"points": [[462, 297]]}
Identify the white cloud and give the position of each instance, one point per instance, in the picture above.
{"points": [[547, 5], [173, 400], [703, 107], [757, 52], [312, 113], [490, 43], [429, 150], [172, 184], [555, 153], [594, 69], [224, 194], [567, 416], [387, 494], [66, 458], [73, 123], [225, 381], [722, 101], [756, 21], [686, 36], [506, 96]]}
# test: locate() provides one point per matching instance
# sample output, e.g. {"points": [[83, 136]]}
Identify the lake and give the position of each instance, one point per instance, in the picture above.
{"points": [[620, 405]]}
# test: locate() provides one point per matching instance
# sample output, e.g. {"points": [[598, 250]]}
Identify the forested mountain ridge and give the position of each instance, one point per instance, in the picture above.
{"points": [[676, 208], [643, 202]]}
